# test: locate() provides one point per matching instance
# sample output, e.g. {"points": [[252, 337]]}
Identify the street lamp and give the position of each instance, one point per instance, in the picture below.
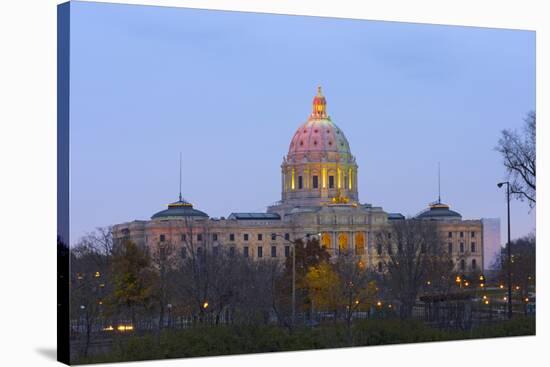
{"points": [[293, 243], [509, 249]]}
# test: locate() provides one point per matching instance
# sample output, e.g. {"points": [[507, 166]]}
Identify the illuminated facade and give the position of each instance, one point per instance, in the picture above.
{"points": [[319, 196]]}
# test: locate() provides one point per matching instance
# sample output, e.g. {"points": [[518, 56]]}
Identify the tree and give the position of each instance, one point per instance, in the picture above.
{"points": [[357, 288], [519, 154], [323, 284], [163, 260], [132, 278], [523, 265], [411, 247], [87, 289]]}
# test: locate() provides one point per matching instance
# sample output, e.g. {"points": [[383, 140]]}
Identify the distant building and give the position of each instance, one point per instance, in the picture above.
{"points": [[318, 196], [491, 241]]}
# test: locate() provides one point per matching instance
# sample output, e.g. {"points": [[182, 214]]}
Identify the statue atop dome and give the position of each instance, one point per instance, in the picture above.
{"points": [[319, 105]]}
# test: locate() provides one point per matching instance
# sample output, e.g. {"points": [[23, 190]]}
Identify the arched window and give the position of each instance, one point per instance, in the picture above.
{"points": [[359, 243], [325, 240], [343, 242]]}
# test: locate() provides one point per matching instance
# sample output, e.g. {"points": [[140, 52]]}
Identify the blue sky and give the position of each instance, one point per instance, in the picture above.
{"points": [[229, 89]]}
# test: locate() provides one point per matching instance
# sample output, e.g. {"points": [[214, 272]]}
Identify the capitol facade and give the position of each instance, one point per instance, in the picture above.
{"points": [[319, 197]]}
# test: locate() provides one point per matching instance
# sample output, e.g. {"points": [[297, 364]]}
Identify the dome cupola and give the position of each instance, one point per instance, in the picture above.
{"points": [[319, 168]]}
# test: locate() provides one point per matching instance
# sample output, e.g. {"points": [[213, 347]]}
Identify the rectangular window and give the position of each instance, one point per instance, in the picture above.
{"points": [[461, 247], [245, 236], [273, 251], [232, 251], [287, 236], [450, 250], [260, 237], [450, 235], [183, 237], [315, 182], [473, 234], [390, 249], [232, 237], [330, 182], [379, 249], [287, 251], [461, 234], [214, 237], [245, 251], [300, 182], [199, 237], [473, 247], [260, 251], [273, 237], [215, 250], [162, 238]]}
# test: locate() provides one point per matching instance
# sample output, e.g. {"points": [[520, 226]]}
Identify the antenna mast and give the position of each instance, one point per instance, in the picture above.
{"points": [[180, 177], [439, 182]]}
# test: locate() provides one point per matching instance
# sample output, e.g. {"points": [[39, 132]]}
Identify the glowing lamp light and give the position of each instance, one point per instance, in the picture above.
{"points": [[517, 287], [466, 284], [125, 328], [501, 286], [526, 299], [97, 274], [109, 328], [205, 305], [428, 282], [379, 303], [458, 280], [486, 302]]}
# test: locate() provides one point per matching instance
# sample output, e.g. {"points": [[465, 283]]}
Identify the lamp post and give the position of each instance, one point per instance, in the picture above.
{"points": [[509, 249], [293, 243]]}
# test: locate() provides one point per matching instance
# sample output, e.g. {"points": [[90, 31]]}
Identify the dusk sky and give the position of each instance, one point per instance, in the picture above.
{"points": [[228, 90]]}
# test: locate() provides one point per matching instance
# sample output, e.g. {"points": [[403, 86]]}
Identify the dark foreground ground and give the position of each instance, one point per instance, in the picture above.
{"points": [[240, 339]]}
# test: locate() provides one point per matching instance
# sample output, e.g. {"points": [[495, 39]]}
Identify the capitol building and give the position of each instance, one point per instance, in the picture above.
{"points": [[319, 197]]}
